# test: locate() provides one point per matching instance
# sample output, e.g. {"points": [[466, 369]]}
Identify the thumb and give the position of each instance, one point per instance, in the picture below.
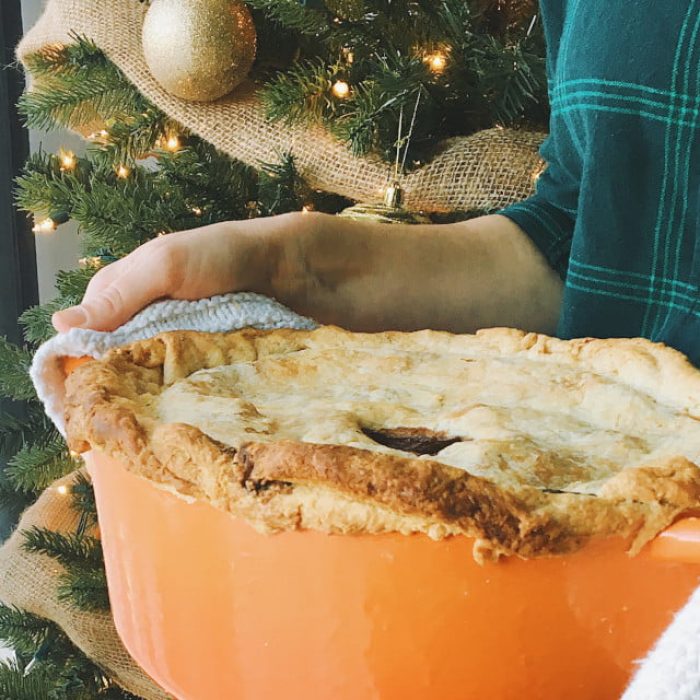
{"points": [[112, 305]]}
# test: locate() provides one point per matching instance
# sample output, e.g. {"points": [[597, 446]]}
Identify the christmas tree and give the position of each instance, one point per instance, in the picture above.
{"points": [[362, 69]]}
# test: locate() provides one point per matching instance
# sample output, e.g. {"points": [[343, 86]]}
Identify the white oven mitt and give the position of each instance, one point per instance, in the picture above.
{"points": [[670, 672], [215, 315]]}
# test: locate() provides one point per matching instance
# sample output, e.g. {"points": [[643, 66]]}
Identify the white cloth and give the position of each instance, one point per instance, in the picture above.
{"points": [[671, 671], [215, 315]]}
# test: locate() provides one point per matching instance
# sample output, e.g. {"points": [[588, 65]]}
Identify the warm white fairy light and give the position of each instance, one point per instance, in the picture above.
{"points": [[123, 172], [437, 61], [172, 143], [90, 262], [47, 225], [341, 89], [68, 160], [197, 211], [62, 489]]}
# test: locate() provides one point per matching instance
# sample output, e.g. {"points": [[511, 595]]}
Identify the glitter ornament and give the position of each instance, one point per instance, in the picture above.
{"points": [[199, 50], [390, 212]]}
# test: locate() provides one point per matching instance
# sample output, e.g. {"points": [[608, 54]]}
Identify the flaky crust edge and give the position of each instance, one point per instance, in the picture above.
{"points": [[290, 485]]}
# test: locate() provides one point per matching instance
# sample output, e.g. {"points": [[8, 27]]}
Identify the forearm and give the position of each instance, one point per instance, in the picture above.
{"points": [[457, 277]]}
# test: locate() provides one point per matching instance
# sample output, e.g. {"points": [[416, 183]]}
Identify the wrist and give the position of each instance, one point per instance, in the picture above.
{"points": [[285, 253]]}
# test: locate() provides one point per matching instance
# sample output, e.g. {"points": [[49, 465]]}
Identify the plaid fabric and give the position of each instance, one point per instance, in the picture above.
{"points": [[617, 212]]}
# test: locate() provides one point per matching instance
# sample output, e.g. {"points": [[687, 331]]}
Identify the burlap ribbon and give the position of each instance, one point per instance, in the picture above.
{"points": [[490, 169], [30, 581]]}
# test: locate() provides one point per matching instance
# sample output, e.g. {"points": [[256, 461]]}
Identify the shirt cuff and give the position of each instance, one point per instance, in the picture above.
{"points": [[550, 229]]}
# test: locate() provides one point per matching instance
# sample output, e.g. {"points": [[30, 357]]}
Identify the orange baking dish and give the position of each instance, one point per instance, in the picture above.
{"points": [[213, 610]]}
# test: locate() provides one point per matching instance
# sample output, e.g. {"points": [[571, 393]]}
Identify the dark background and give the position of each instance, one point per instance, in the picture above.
{"points": [[18, 280]]}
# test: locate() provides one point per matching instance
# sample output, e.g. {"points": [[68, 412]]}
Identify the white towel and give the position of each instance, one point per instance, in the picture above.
{"points": [[671, 671], [216, 314]]}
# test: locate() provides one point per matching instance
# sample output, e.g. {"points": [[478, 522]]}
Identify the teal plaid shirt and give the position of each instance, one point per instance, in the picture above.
{"points": [[617, 212]]}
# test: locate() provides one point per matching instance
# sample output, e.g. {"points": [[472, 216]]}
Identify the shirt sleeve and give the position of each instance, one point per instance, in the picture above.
{"points": [[548, 217]]}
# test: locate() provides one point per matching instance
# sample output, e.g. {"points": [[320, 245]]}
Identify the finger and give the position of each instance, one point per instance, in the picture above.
{"points": [[105, 276], [72, 317], [110, 305]]}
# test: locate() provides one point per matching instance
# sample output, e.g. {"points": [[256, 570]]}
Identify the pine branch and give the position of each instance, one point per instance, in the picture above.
{"points": [[512, 78], [43, 188], [280, 187], [75, 85], [73, 283], [84, 588], [13, 502], [35, 467], [120, 214], [83, 501], [133, 138], [291, 14], [23, 631], [301, 94], [210, 186], [83, 584], [14, 685], [70, 550], [36, 321], [14, 372], [16, 431]]}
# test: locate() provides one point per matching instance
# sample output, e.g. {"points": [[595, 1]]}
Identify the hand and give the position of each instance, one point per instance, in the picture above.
{"points": [[360, 275], [231, 256]]}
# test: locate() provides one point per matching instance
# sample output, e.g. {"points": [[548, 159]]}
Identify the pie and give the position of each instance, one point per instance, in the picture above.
{"points": [[529, 444]]}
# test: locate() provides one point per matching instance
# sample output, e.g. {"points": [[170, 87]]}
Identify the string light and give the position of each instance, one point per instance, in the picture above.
{"points": [[348, 54], [68, 160], [437, 61], [307, 208], [123, 172], [172, 143], [91, 261], [340, 89], [197, 211], [62, 489], [47, 225]]}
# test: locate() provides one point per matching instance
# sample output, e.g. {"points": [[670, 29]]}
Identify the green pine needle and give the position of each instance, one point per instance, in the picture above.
{"points": [[23, 631], [280, 187], [36, 321], [15, 685], [300, 94], [84, 589], [291, 14], [14, 372], [68, 549], [35, 467]]}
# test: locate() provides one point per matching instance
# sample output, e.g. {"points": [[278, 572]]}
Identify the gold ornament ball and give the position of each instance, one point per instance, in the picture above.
{"points": [[390, 212], [199, 50], [381, 214]]}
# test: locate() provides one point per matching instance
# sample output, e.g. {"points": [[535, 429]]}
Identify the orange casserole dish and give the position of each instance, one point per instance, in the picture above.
{"points": [[213, 610]]}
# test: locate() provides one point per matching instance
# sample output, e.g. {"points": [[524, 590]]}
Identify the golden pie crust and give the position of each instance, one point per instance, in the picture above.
{"points": [[530, 444]]}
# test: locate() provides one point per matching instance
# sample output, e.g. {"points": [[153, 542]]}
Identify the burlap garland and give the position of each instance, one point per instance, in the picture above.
{"points": [[30, 582], [490, 169]]}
